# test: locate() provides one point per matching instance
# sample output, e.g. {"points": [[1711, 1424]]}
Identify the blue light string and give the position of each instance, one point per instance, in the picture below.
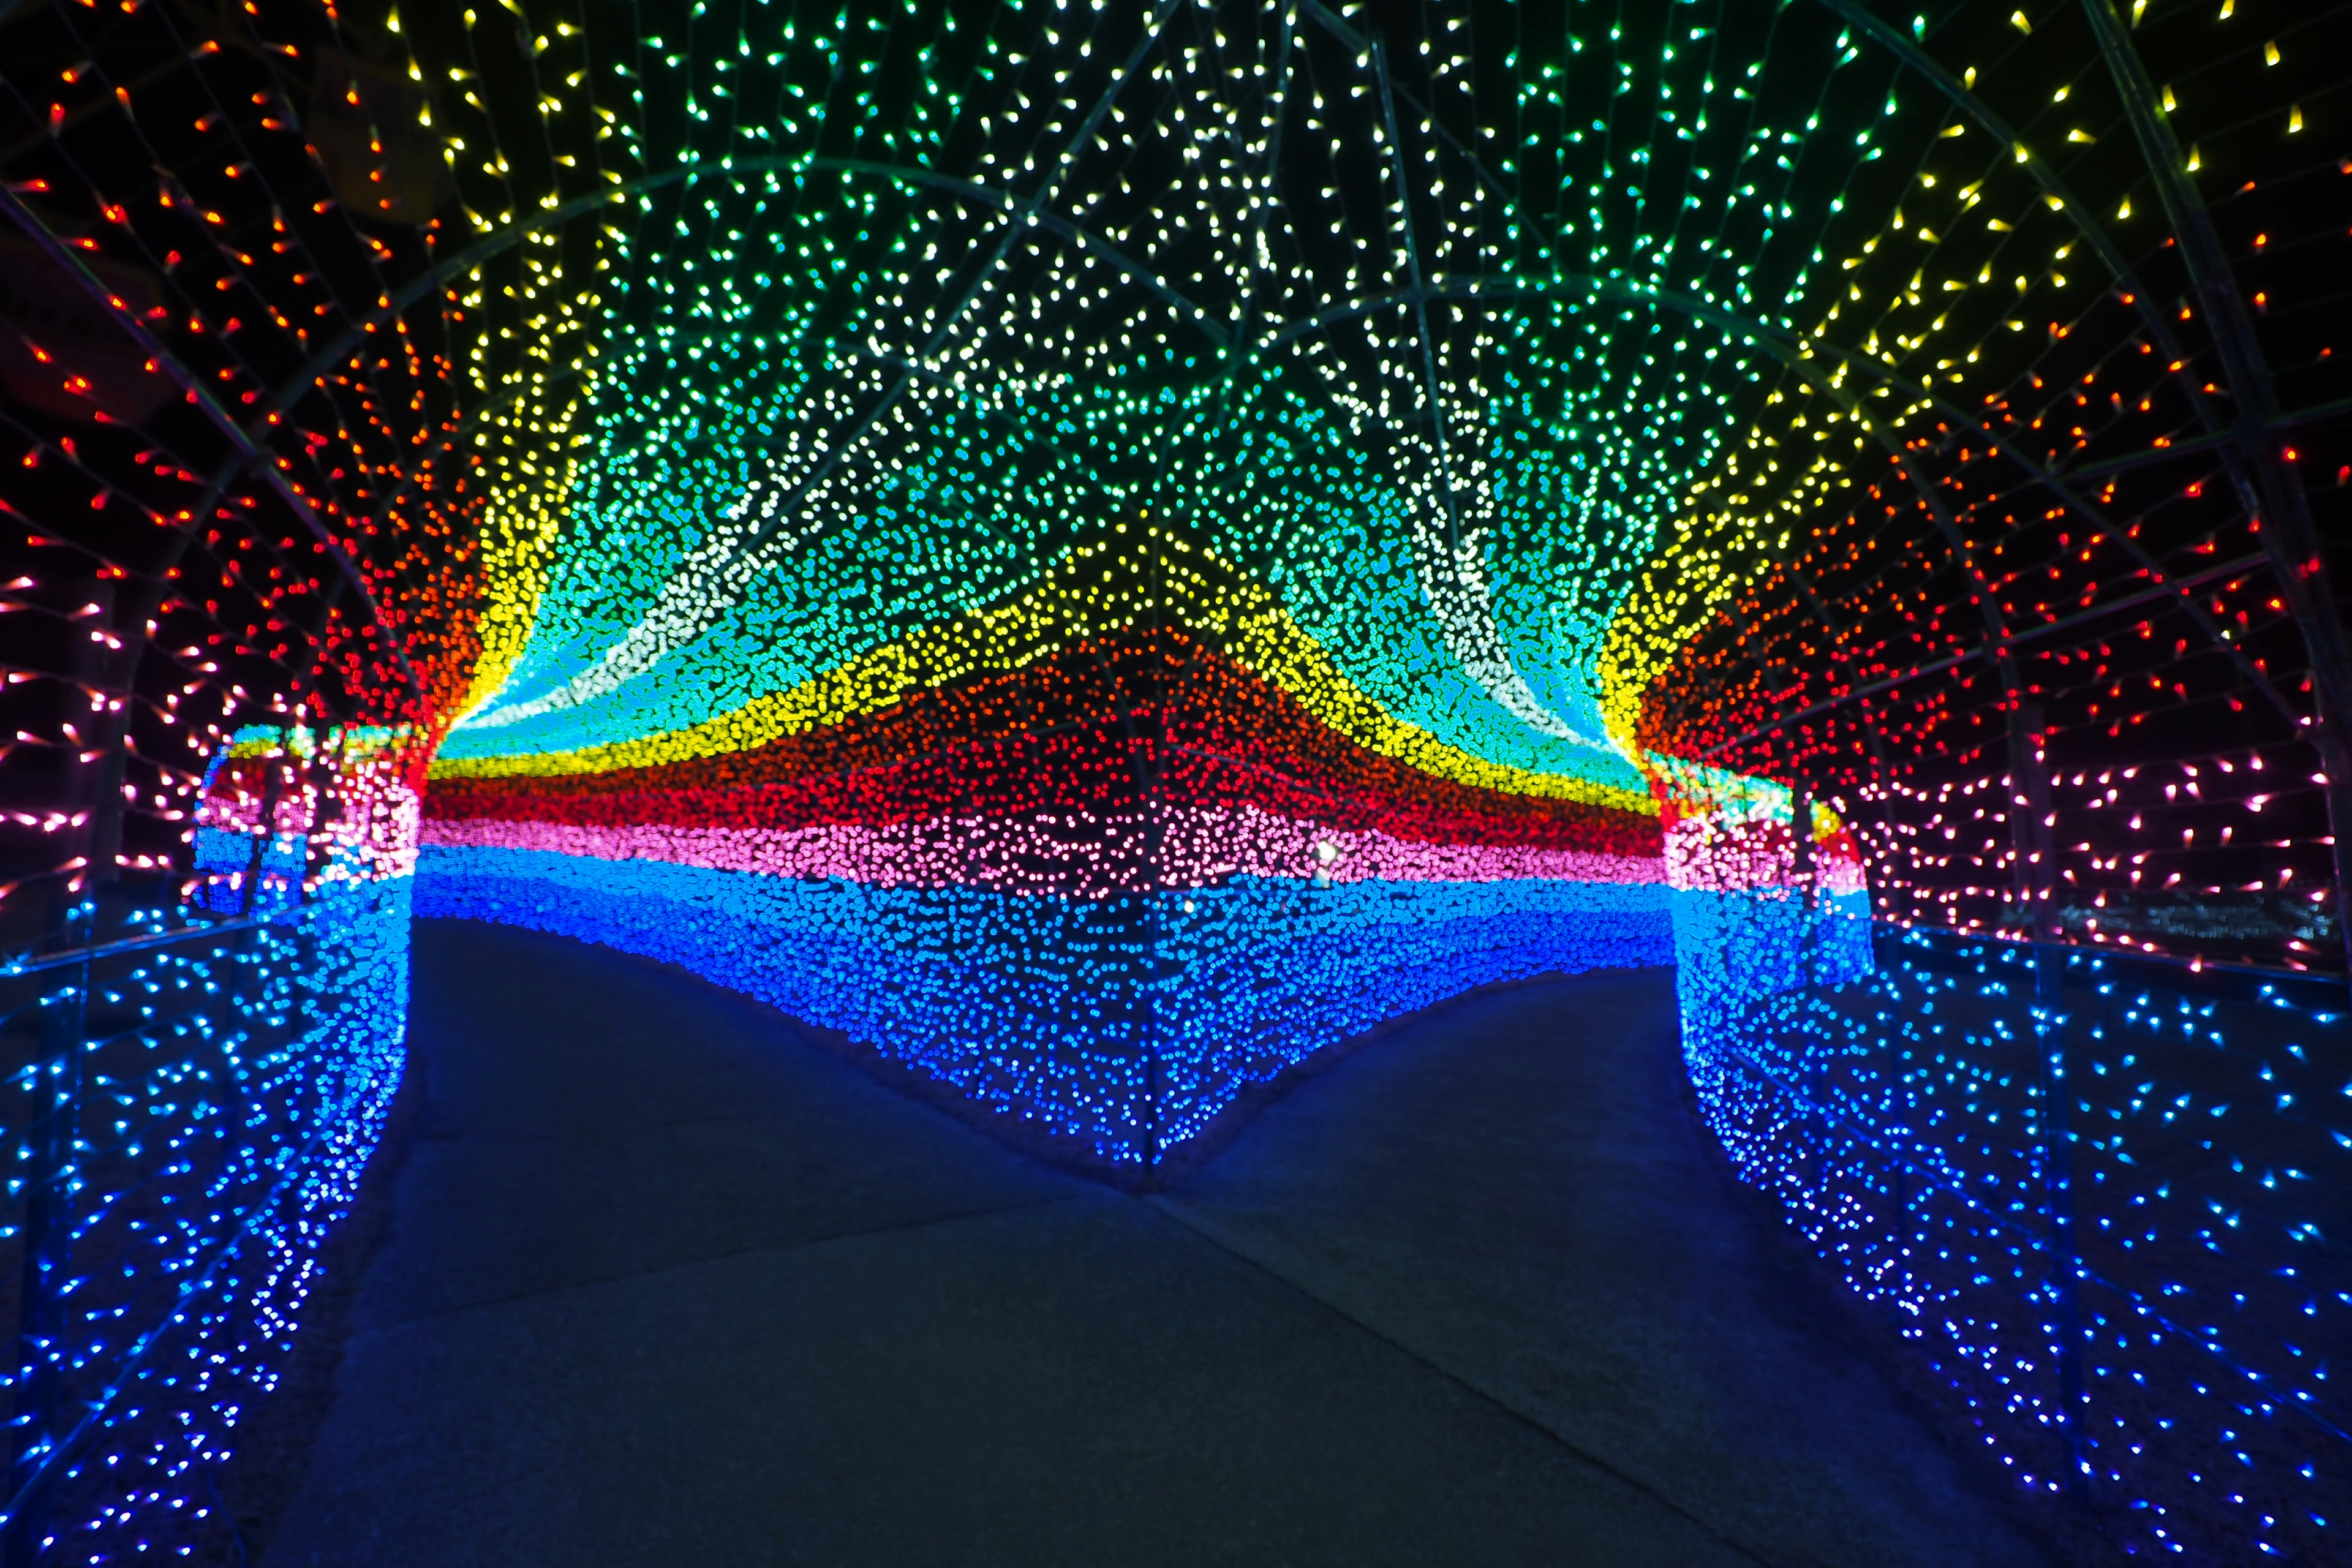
{"points": [[1902, 1107]]}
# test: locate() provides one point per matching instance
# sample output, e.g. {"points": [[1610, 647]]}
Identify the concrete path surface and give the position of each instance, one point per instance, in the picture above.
{"points": [[669, 1285]]}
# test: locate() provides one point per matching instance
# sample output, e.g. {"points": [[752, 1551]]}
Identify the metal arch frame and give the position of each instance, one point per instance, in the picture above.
{"points": [[2210, 272], [248, 451], [2030, 845], [336, 353], [1975, 108], [1030, 212], [2097, 612], [491, 246], [1033, 211], [1025, 213], [2290, 542], [247, 441], [1279, 115], [1775, 339], [1966, 100], [340, 349], [101, 835], [1910, 54], [2234, 332], [2237, 344], [1794, 354], [2318, 413]]}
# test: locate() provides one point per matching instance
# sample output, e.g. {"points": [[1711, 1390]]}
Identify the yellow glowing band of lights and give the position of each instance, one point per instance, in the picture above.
{"points": [[1088, 593], [518, 546], [530, 481], [1679, 588], [1716, 550]]}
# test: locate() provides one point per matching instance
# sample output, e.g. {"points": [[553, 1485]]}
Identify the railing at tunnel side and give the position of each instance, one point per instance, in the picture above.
{"points": [[2102, 1203]]}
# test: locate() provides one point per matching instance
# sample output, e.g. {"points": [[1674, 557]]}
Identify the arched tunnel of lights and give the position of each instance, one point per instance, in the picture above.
{"points": [[1099, 547]]}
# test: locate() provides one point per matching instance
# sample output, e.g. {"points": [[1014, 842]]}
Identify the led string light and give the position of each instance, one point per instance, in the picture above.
{"points": [[1101, 550], [210, 935]]}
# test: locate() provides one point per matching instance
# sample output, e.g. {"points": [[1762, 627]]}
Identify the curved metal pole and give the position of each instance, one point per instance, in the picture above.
{"points": [[338, 351], [1790, 351], [294, 387], [2030, 833], [1975, 108], [291, 390], [1964, 98], [1022, 216], [1779, 344], [1420, 306], [2267, 486], [2317, 413], [2338, 763]]}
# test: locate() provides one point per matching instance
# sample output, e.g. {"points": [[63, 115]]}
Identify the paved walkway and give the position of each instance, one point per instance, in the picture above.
{"points": [[668, 1285]]}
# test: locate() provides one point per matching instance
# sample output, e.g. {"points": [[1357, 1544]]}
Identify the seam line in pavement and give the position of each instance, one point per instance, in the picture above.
{"points": [[794, 1245], [600, 1129], [1210, 1232]]}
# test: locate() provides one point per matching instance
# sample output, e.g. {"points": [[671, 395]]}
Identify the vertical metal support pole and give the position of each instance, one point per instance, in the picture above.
{"points": [[2028, 818], [2058, 1179]]}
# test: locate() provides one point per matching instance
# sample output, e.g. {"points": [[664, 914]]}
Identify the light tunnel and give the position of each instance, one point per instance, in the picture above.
{"points": [[1095, 552]]}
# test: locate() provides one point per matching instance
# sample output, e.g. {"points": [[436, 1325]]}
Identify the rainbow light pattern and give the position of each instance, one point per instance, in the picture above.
{"points": [[1100, 854], [1099, 549]]}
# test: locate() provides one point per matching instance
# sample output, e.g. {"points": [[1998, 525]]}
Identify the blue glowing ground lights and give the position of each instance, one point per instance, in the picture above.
{"points": [[1122, 1025], [2106, 1205], [230, 1082]]}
